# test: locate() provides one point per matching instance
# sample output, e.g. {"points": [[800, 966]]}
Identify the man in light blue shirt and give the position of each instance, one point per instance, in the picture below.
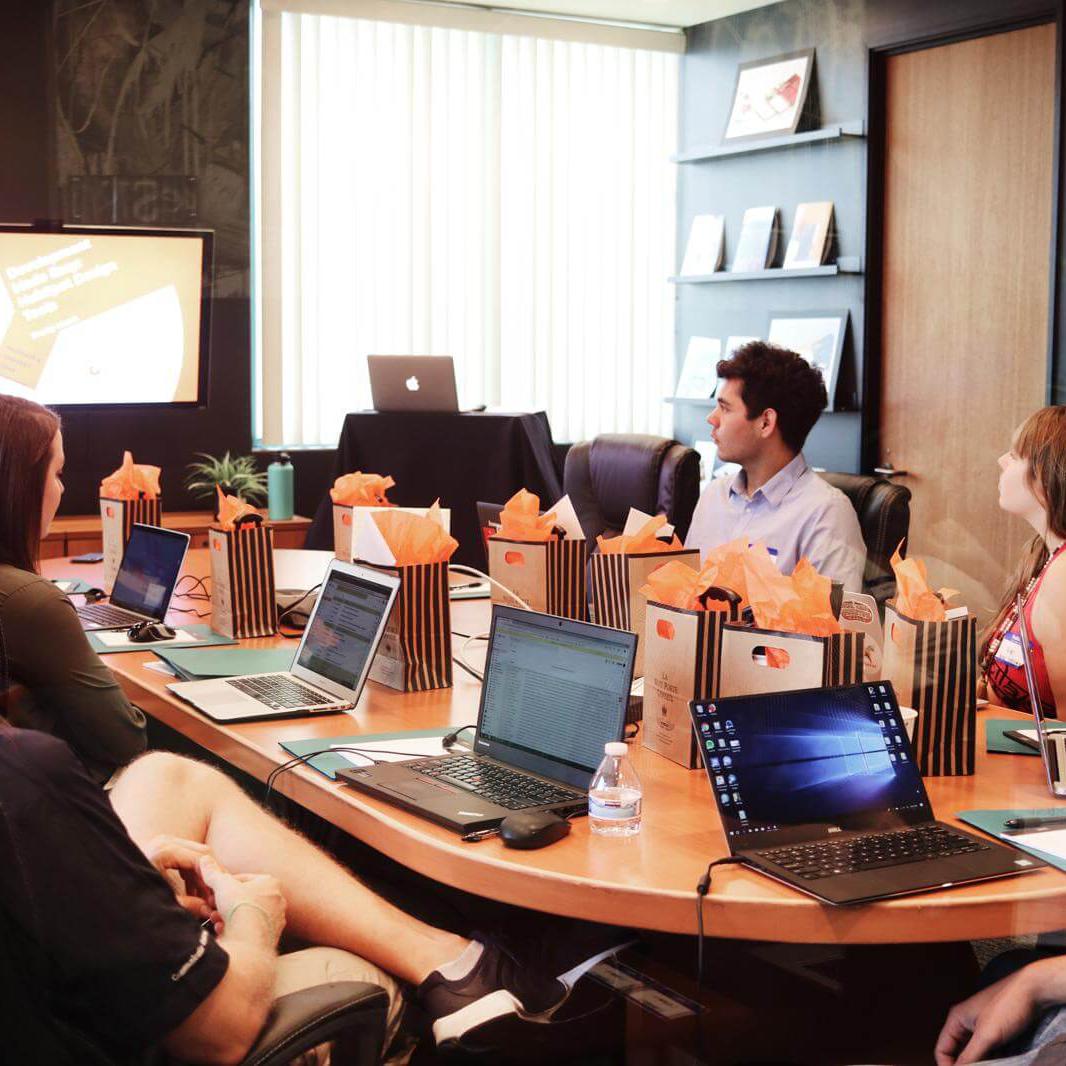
{"points": [[768, 401]]}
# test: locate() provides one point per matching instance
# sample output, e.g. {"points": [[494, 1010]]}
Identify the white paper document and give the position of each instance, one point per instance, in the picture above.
{"points": [[399, 750], [1049, 841]]}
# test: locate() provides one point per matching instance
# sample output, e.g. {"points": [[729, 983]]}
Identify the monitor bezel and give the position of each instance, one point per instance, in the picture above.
{"points": [[207, 270]]}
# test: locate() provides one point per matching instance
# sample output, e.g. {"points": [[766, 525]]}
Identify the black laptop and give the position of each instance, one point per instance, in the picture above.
{"points": [[555, 691], [818, 788], [145, 581]]}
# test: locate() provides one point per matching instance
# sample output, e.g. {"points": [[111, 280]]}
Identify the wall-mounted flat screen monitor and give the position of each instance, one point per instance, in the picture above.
{"points": [[94, 316]]}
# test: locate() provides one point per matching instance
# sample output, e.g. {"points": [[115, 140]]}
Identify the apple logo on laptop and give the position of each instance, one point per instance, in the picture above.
{"points": [[412, 384]]}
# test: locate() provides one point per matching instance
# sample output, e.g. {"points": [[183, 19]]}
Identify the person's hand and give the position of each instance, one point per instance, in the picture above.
{"points": [[261, 891], [178, 861], [997, 1014]]}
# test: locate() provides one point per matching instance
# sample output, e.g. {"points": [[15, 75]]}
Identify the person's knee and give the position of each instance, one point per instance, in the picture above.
{"points": [[161, 778]]}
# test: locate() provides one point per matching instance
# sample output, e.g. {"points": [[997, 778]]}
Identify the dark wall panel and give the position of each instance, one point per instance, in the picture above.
{"points": [[846, 36]]}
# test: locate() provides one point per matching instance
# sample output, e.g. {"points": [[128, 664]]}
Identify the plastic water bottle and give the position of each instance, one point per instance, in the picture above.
{"points": [[279, 489], [615, 795]]}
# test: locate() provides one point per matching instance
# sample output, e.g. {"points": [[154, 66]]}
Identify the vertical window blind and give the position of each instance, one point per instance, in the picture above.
{"points": [[506, 200]]}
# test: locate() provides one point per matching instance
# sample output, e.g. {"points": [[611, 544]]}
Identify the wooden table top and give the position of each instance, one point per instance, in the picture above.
{"points": [[646, 881]]}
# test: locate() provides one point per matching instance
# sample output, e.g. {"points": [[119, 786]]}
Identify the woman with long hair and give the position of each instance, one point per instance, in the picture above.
{"points": [[55, 682], [1032, 485]]}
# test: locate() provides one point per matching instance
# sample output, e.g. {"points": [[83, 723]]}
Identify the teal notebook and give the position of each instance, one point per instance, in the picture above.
{"points": [[330, 762], [991, 822], [199, 664], [996, 742], [203, 636]]}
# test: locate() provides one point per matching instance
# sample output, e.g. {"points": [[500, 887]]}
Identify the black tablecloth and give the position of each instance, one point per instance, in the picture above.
{"points": [[459, 458]]}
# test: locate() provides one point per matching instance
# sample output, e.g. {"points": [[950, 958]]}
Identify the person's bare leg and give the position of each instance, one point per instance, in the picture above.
{"points": [[166, 794]]}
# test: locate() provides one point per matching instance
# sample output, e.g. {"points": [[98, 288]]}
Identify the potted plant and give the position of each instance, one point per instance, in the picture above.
{"points": [[235, 475]]}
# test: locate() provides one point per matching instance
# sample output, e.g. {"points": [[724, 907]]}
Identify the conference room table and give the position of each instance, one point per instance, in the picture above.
{"points": [[646, 881]]}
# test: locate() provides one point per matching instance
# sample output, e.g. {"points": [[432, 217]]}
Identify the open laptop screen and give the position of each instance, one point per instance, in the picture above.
{"points": [[149, 570], [817, 759], [341, 635], [555, 691]]}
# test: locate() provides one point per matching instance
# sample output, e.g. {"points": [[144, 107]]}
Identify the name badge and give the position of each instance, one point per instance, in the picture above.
{"points": [[1010, 650]]}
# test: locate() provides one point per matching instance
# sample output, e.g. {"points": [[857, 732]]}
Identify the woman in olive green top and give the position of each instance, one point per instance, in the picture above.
{"points": [[57, 683]]}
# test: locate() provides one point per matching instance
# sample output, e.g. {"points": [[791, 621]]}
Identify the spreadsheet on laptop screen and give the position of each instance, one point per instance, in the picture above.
{"points": [[556, 691]]}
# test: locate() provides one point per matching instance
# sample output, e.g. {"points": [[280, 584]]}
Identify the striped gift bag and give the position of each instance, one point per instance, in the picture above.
{"points": [[548, 575], [415, 653], [117, 518], [768, 660], [933, 668], [615, 598], [243, 600], [682, 662]]}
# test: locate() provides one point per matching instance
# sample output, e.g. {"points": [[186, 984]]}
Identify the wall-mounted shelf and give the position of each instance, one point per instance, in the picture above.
{"points": [[687, 401], [856, 128], [848, 264]]}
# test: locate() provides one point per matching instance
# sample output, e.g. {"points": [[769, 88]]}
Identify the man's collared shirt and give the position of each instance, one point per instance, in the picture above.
{"points": [[795, 514]]}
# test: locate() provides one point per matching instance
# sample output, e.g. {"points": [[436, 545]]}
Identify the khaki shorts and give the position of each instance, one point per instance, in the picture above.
{"points": [[316, 966]]}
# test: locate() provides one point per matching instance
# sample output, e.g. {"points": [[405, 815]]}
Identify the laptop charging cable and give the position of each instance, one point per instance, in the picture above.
{"points": [[703, 887]]}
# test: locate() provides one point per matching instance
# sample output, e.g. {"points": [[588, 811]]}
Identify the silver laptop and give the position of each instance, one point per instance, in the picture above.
{"points": [[145, 581], [413, 383], [1047, 738], [331, 663]]}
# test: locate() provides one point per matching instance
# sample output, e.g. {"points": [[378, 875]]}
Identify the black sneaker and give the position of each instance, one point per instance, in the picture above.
{"points": [[497, 987]]}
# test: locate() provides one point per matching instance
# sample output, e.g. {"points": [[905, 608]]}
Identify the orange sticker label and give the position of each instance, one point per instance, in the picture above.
{"points": [[775, 658], [514, 558], [665, 629], [109, 511], [346, 518]]}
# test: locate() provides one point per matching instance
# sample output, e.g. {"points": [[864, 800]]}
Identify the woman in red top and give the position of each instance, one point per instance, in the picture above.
{"points": [[1032, 485]]}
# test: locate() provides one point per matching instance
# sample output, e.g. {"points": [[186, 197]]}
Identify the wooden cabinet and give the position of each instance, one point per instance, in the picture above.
{"points": [[77, 534]]}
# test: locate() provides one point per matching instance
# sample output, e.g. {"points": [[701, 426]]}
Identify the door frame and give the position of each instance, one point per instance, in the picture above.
{"points": [[915, 39]]}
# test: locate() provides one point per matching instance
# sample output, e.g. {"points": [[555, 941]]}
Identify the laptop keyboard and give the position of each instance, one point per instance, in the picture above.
{"points": [[497, 784], [871, 852], [105, 614], [278, 691]]}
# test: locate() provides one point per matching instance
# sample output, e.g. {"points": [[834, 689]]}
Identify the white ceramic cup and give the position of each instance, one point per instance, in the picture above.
{"points": [[909, 716]]}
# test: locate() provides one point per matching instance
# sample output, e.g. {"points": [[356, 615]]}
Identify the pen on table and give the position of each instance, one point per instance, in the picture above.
{"points": [[1035, 822], [465, 585]]}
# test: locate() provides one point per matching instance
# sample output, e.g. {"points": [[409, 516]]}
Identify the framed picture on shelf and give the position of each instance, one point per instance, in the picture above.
{"points": [[770, 96], [699, 377], [816, 335]]}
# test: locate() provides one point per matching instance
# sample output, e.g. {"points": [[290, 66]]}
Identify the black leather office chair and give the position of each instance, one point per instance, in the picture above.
{"points": [[606, 476], [884, 514]]}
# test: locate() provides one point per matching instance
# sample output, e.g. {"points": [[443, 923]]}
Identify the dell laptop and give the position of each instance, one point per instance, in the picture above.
{"points": [[145, 581], [818, 789], [413, 383], [332, 661], [555, 691]]}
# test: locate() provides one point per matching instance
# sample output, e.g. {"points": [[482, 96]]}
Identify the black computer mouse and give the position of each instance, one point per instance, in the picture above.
{"points": [[146, 632], [536, 829]]}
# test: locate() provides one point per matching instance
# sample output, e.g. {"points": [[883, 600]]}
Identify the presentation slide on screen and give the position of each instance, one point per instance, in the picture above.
{"points": [[87, 319]]}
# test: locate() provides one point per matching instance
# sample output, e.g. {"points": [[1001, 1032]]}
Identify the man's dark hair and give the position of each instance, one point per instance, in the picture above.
{"points": [[771, 376]]}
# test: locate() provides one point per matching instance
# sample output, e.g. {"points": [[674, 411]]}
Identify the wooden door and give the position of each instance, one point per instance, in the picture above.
{"points": [[967, 239]]}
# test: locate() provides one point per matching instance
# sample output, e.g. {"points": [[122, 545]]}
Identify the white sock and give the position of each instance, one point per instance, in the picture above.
{"points": [[460, 967]]}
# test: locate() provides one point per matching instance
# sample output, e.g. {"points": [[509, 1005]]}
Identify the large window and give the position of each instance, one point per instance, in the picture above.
{"points": [[504, 199]]}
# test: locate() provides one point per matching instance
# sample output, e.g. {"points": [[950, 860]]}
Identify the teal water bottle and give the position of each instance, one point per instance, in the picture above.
{"points": [[279, 489]]}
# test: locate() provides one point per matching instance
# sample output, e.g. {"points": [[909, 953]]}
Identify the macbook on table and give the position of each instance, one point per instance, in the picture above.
{"points": [[145, 581], [413, 383], [331, 663], [555, 691], [818, 788]]}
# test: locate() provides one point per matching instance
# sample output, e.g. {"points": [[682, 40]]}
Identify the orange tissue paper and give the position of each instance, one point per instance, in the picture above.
{"points": [[131, 481], [914, 597], [678, 585], [231, 509], [361, 490], [521, 519], [415, 540], [643, 542]]}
